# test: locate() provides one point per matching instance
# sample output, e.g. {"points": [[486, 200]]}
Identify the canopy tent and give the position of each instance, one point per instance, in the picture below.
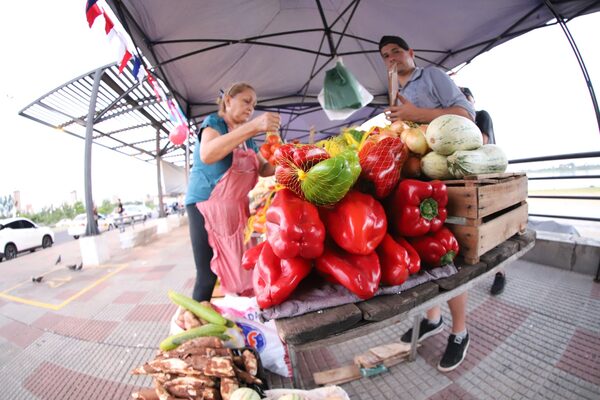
{"points": [[284, 47]]}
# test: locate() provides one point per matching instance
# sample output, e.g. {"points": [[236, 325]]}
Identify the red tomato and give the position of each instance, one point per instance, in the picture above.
{"points": [[265, 150], [273, 139]]}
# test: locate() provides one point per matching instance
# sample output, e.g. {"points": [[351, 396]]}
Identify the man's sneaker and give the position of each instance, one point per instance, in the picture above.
{"points": [[455, 353], [426, 330], [498, 285]]}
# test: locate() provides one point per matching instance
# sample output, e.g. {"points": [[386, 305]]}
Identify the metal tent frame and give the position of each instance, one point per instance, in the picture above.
{"points": [[300, 102], [116, 111]]}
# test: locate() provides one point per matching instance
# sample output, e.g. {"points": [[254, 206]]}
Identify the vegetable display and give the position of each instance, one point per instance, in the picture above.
{"points": [[418, 207], [360, 274], [488, 159], [357, 223], [364, 209], [294, 228], [437, 248]]}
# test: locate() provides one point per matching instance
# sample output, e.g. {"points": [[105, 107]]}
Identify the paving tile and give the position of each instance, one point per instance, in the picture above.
{"points": [[151, 312], [594, 293], [42, 383], [93, 292], [453, 391], [20, 334], [130, 297], [582, 356]]}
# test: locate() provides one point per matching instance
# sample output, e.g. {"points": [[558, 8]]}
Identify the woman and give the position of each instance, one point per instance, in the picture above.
{"points": [[226, 166]]}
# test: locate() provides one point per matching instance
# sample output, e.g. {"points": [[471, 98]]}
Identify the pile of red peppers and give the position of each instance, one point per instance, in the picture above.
{"points": [[369, 239]]}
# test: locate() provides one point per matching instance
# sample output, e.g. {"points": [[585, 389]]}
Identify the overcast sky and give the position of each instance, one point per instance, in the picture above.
{"points": [[532, 87]]}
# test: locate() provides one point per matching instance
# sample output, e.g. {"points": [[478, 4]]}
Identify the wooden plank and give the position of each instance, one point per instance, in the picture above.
{"points": [[383, 307], [319, 324], [493, 198], [390, 350], [337, 376], [462, 201], [499, 229], [474, 241]]}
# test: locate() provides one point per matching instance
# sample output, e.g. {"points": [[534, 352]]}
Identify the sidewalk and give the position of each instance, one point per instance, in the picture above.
{"points": [[77, 334]]}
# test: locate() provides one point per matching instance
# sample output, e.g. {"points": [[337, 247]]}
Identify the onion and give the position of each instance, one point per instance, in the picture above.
{"points": [[398, 126], [415, 140]]}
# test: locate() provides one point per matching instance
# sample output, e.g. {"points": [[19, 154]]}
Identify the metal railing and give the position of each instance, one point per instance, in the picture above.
{"points": [[561, 157]]}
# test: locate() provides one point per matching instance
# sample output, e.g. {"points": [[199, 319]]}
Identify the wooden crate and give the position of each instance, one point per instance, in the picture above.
{"points": [[485, 210]]}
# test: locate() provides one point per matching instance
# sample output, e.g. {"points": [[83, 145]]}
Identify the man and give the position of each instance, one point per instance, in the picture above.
{"points": [[485, 125], [425, 94], [482, 119]]}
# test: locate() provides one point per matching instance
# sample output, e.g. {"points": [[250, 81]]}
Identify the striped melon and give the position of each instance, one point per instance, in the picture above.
{"points": [[449, 133], [488, 159], [435, 166]]}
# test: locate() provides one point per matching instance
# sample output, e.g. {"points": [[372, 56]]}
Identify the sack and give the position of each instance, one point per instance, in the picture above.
{"points": [[261, 336], [342, 94]]}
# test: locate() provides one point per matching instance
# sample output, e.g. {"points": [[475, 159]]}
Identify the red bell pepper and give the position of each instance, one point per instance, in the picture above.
{"points": [[251, 256], [293, 161], [357, 223], [360, 274], [394, 261], [414, 264], [418, 207], [274, 279], [294, 228], [381, 164], [436, 249]]}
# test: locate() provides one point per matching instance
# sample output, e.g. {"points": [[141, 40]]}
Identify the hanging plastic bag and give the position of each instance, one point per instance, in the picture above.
{"points": [[342, 94]]}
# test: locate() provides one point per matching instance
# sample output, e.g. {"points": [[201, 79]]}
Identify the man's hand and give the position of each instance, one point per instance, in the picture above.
{"points": [[405, 111]]}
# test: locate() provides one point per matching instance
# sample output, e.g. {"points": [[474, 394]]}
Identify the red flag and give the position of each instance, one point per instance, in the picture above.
{"points": [[124, 61], [108, 24], [92, 11]]}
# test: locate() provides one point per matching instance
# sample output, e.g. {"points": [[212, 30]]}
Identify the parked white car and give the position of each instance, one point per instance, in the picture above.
{"points": [[20, 234], [77, 227], [132, 213]]}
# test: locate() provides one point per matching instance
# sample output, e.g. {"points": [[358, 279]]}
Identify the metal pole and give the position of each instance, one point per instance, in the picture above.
{"points": [[161, 206], [586, 76], [91, 228], [187, 146]]}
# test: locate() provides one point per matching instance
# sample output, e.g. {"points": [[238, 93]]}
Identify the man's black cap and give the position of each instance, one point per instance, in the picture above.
{"points": [[393, 40]]}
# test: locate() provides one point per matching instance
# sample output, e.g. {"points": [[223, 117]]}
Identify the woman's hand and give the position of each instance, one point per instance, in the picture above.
{"points": [[267, 122]]}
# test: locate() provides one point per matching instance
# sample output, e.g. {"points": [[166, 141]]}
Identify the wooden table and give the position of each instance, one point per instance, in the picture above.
{"points": [[348, 321]]}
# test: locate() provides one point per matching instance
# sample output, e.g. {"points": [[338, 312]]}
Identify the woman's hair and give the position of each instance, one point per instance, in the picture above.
{"points": [[232, 91]]}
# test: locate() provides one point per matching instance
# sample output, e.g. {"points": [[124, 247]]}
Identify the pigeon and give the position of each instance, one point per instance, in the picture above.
{"points": [[72, 267], [58, 260], [79, 266], [37, 279]]}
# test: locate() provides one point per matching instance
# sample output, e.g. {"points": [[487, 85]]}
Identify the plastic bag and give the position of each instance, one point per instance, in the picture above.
{"points": [[261, 336], [342, 94]]}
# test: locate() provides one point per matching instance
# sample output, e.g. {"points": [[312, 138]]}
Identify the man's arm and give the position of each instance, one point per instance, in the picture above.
{"points": [[407, 111]]}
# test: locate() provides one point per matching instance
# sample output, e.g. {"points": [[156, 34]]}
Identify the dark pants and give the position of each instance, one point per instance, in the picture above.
{"points": [[203, 253]]}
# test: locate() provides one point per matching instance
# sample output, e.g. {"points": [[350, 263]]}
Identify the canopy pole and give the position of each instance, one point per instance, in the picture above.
{"points": [[571, 40], [161, 205], [187, 145], [92, 227]]}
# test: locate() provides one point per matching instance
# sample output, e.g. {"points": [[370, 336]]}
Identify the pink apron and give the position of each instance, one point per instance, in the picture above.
{"points": [[226, 214]]}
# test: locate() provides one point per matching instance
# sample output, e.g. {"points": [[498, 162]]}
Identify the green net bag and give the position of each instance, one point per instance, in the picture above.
{"points": [[327, 182]]}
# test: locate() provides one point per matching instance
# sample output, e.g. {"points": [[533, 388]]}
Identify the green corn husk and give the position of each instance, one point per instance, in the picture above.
{"points": [[327, 182]]}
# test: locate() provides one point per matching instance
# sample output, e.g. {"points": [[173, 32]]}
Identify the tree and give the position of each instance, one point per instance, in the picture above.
{"points": [[6, 205]]}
